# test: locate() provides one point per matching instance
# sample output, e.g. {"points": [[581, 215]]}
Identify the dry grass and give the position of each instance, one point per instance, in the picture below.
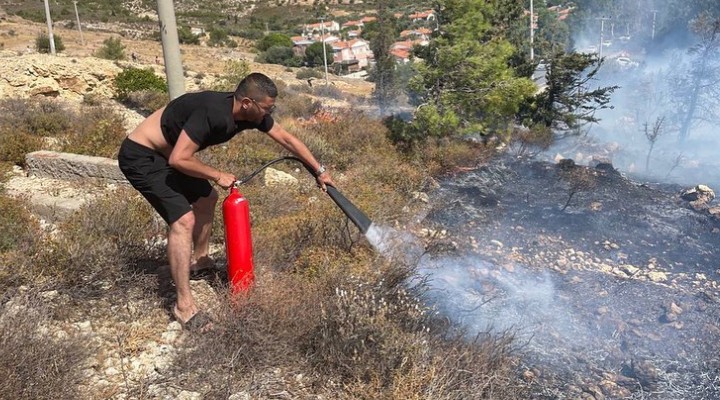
{"points": [[28, 125], [353, 331], [324, 305], [35, 363], [98, 247]]}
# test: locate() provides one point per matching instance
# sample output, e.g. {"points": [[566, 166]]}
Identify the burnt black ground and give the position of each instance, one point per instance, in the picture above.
{"points": [[556, 275]]}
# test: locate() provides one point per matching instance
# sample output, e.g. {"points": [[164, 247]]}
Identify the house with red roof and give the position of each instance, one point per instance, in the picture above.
{"points": [[427, 15], [353, 55]]}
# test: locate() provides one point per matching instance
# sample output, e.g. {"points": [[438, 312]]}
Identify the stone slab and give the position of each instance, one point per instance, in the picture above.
{"points": [[68, 166]]}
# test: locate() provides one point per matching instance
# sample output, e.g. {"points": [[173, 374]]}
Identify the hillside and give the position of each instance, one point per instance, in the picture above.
{"points": [[17, 38]]}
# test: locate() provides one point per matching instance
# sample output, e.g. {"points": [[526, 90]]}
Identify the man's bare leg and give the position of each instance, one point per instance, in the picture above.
{"points": [[204, 210], [179, 254]]}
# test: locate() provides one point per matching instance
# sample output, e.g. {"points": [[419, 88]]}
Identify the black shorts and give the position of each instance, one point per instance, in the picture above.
{"points": [[170, 192]]}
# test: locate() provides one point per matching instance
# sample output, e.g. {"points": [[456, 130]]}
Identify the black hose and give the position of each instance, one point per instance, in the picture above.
{"points": [[353, 213], [269, 163]]}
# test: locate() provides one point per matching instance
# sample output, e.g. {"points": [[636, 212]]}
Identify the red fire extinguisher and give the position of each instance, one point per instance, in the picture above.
{"points": [[238, 242]]}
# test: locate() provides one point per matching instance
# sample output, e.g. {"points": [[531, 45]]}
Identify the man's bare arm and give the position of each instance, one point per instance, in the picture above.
{"points": [[183, 159]]}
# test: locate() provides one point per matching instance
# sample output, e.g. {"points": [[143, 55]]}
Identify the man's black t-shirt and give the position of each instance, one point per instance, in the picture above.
{"points": [[207, 119]]}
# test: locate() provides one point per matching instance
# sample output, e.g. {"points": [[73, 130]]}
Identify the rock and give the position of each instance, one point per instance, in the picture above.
{"points": [[566, 163], [421, 196], [714, 211], [596, 393], [630, 270], [644, 371], [274, 178], [56, 76], [497, 243], [657, 276], [68, 166], [700, 193]]}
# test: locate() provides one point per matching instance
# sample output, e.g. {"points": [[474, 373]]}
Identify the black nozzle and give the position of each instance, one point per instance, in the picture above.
{"points": [[356, 216]]}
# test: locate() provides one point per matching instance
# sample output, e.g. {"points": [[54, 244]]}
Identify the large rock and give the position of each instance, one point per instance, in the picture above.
{"points": [[274, 177], [56, 76], [68, 166]]}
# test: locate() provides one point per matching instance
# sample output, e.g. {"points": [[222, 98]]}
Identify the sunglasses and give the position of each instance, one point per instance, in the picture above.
{"points": [[268, 110]]}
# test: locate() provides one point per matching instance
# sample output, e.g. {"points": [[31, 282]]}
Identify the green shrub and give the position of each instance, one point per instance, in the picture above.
{"points": [[136, 79], [252, 34], [274, 39], [112, 49], [42, 43], [281, 56], [218, 37], [185, 36]]}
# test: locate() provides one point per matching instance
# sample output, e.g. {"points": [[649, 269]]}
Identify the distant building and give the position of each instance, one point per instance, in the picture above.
{"points": [[421, 34], [401, 56], [300, 44], [427, 15], [354, 54], [327, 26]]}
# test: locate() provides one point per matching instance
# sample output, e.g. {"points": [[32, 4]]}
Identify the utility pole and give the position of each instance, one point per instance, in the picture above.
{"points": [[532, 32], [77, 17], [322, 37], [171, 48], [653, 23], [50, 31], [602, 31]]}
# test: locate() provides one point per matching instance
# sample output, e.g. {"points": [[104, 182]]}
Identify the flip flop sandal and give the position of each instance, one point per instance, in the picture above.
{"points": [[200, 322]]}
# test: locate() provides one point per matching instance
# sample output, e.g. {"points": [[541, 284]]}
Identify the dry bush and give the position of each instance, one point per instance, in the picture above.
{"points": [[444, 155], [38, 117], [98, 132], [296, 106], [329, 91], [530, 141], [14, 146], [35, 364], [16, 221], [280, 239], [251, 334], [298, 88], [357, 325], [23, 236], [147, 101], [99, 244], [577, 179], [352, 135], [243, 154]]}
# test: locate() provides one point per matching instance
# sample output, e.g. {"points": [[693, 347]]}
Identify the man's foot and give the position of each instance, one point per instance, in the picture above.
{"points": [[202, 264], [200, 321]]}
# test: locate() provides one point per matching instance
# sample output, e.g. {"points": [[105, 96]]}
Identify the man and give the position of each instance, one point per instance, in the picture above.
{"points": [[158, 158]]}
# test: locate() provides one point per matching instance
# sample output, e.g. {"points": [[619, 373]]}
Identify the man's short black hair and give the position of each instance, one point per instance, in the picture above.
{"points": [[256, 86]]}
